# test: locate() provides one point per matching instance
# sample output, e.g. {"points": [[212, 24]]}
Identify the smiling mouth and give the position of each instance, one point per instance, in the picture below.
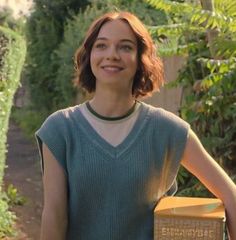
{"points": [[112, 68]]}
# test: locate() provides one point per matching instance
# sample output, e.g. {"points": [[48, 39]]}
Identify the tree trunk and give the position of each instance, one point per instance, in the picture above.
{"points": [[211, 34]]}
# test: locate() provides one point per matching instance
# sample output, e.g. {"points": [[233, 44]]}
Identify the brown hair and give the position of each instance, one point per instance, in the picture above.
{"points": [[149, 74]]}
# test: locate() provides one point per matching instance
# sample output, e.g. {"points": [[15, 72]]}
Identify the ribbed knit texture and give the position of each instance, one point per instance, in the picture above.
{"points": [[114, 190]]}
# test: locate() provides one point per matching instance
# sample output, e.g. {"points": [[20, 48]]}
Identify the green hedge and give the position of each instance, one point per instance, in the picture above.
{"points": [[12, 50], [12, 55]]}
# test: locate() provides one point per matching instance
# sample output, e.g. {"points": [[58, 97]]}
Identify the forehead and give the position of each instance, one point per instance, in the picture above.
{"points": [[117, 30]]}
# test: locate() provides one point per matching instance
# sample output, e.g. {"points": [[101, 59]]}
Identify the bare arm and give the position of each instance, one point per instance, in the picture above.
{"points": [[207, 170], [54, 217]]}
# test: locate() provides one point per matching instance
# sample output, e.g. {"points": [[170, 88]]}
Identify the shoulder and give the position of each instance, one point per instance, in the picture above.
{"points": [[62, 116], [60, 121], [165, 118]]}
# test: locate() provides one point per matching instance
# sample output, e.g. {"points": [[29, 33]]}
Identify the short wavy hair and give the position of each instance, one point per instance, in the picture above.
{"points": [[149, 74]]}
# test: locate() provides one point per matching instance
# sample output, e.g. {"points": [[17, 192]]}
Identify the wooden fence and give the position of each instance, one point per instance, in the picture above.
{"points": [[167, 98]]}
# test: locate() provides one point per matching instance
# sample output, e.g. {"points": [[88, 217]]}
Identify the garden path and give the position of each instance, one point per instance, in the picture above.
{"points": [[24, 173]]}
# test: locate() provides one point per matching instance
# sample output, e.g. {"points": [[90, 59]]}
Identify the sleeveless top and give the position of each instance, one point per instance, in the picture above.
{"points": [[112, 191]]}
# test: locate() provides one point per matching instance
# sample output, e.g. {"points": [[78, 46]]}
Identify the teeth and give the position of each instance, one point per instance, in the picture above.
{"points": [[112, 68]]}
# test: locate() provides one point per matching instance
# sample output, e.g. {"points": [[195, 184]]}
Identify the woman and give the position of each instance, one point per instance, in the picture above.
{"points": [[108, 161]]}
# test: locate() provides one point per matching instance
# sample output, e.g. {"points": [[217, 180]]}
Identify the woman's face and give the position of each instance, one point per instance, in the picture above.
{"points": [[114, 55]]}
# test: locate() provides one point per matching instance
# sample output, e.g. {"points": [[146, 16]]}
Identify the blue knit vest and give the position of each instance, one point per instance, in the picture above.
{"points": [[114, 190]]}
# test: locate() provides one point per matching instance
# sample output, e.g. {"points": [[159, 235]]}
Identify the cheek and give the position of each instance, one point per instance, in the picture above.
{"points": [[93, 60], [91, 63], [133, 60], [92, 57]]}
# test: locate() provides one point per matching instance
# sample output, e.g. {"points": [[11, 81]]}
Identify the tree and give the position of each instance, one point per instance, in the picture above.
{"points": [[45, 29]]}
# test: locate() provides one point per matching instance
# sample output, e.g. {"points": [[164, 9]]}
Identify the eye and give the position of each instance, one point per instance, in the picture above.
{"points": [[126, 48], [100, 45]]}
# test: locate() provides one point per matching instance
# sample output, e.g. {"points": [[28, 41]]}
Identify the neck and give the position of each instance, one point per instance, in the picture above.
{"points": [[111, 104]]}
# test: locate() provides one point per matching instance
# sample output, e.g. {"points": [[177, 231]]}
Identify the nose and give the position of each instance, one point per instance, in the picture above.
{"points": [[112, 53]]}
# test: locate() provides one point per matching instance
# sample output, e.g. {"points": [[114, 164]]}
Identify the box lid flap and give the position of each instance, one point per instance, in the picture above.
{"points": [[192, 207]]}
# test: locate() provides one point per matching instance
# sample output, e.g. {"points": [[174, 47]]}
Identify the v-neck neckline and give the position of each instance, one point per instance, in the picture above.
{"points": [[102, 144]]}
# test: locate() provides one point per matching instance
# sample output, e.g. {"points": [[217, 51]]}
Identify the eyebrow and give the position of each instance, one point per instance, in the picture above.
{"points": [[122, 40]]}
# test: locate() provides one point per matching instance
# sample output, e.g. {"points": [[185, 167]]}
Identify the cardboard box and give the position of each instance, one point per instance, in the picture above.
{"points": [[185, 218]]}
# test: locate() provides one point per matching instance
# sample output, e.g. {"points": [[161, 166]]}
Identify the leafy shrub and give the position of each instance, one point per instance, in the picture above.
{"points": [[44, 31], [6, 220], [12, 53], [12, 197], [7, 20]]}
